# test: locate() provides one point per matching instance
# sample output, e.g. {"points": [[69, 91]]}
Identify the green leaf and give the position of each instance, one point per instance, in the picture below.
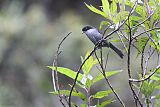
{"points": [[102, 94], [95, 10], [86, 81], [156, 76], [83, 105], [156, 15], [139, 9], [118, 40], [122, 16], [67, 92], [155, 45], [135, 18], [141, 42], [103, 23], [108, 74], [105, 103], [113, 7], [157, 87], [68, 72], [148, 87], [89, 63], [157, 96], [105, 6]]}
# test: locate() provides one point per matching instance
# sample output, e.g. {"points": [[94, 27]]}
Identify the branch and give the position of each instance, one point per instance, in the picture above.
{"points": [[54, 72], [142, 21], [145, 32], [128, 62], [135, 80]]}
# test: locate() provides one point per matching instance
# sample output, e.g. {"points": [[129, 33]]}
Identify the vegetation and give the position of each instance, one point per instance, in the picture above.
{"points": [[136, 23]]}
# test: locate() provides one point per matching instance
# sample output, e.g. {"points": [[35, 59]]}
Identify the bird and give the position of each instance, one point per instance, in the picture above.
{"points": [[95, 36]]}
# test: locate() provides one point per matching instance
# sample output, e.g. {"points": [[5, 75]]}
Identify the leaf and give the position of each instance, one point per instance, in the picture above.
{"points": [[113, 7], [148, 87], [83, 105], [86, 81], [95, 10], [89, 63], [67, 92], [156, 15], [102, 94], [155, 45], [139, 9], [68, 72], [156, 76], [157, 96], [108, 74], [118, 40], [135, 18], [103, 23], [141, 42], [122, 16], [105, 6], [105, 103]]}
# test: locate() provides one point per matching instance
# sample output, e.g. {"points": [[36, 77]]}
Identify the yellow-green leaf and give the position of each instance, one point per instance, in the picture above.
{"points": [[108, 74], [67, 92], [102, 94], [68, 72], [95, 10], [105, 6]]}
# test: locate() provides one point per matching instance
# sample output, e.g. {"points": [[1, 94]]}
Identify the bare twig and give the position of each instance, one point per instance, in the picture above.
{"points": [[119, 35], [54, 72], [106, 29], [128, 41], [142, 59], [150, 75], [155, 28], [106, 61]]}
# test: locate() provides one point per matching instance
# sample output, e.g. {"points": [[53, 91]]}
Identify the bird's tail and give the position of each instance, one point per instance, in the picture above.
{"points": [[118, 51]]}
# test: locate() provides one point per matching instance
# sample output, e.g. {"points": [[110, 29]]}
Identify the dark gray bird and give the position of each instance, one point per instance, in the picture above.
{"points": [[95, 36]]}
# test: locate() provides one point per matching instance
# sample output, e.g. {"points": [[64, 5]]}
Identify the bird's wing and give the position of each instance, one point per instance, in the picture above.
{"points": [[98, 36]]}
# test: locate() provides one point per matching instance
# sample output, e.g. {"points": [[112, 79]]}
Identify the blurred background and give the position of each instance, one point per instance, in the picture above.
{"points": [[30, 31]]}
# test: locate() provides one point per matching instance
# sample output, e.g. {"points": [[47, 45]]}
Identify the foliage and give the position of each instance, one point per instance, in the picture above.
{"points": [[136, 23], [147, 14], [86, 80]]}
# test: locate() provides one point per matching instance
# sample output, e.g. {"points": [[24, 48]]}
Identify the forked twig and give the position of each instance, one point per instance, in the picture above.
{"points": [[54, 72]]}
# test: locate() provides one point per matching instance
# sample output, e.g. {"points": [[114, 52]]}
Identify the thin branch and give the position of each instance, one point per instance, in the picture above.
{"points": [[150, 75], [106, 61], [142, 59], [128, 64], [155, 28], [142, 21], [128, 41], [54, 72], [106, 29], [119, 35]]}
